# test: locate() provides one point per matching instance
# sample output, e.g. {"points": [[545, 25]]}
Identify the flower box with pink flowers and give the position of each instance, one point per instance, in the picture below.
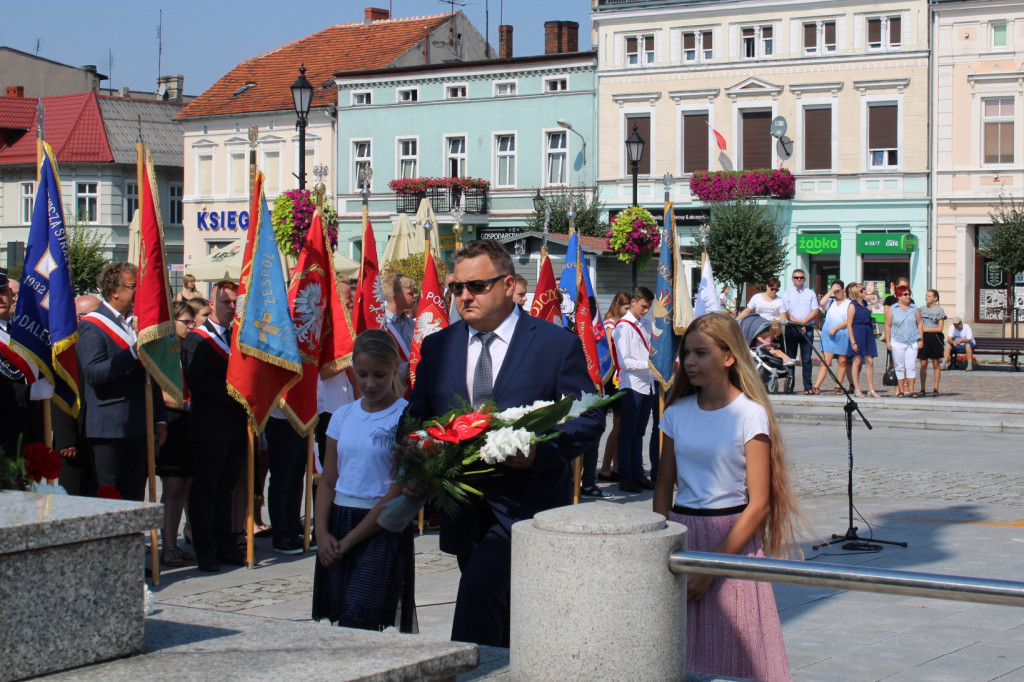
{"points": [[719, 186]]}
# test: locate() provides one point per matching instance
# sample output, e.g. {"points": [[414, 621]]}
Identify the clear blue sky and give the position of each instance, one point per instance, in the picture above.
{"points": [[204, 40]]}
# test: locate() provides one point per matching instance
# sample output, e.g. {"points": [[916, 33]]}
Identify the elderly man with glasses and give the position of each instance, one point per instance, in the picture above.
{"points": [[802, 304]]}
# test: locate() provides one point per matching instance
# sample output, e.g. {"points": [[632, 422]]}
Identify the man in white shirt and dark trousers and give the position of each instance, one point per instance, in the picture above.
{"points": [[802, 306], [632, 338]]}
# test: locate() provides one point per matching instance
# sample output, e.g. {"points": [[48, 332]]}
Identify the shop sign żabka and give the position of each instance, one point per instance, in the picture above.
{"points": [[815, 243]]}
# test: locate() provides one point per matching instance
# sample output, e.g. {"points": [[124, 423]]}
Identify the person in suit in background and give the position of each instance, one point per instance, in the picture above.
{"points": [[20, 420], [115, 386], [217, 431], [498, 352]]}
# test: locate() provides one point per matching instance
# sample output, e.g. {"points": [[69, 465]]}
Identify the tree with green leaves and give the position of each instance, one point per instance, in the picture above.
{"points": [[86, 258], [746, 243], [1003, 243], [588, 213]]}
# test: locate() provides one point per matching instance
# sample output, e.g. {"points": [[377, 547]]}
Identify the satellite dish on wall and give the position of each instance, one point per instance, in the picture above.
{"points": [[779, 126], [784, 147]]}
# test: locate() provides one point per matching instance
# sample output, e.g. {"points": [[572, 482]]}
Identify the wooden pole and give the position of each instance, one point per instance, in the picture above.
{"points": [[40, 153], [154, 552], [250, 480], [310, 449]]}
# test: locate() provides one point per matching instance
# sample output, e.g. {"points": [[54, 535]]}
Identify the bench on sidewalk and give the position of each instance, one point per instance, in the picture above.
{"points": [[990, 345]]}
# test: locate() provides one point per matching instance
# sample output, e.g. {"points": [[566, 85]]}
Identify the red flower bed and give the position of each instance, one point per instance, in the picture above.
{"points": [[728, 185]]}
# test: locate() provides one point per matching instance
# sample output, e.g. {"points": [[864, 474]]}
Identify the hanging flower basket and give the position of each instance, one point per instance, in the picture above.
{"points": [[728, 185], [293, 212], [634, 236]]}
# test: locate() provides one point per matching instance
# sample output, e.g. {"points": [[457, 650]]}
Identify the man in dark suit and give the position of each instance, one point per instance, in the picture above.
{"points": [[20, 419], [115, 386], [217, 429], [498, 352]]}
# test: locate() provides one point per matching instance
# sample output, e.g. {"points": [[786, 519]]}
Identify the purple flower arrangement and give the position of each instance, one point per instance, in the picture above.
{"points": [[292, 216], [634, 236], [727, 185], [419, 185]]}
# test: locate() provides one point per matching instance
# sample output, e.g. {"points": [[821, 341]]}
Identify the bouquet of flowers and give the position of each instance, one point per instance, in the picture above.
{"points": [[444, 455], [634, 236]]}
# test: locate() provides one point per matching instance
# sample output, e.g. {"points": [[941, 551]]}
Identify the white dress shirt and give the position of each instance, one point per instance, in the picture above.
{"points": [[800, 302], [633, 355], [498, 348]]}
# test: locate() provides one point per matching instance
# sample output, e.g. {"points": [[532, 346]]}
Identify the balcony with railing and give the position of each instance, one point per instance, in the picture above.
{"points": [[444, 194]]}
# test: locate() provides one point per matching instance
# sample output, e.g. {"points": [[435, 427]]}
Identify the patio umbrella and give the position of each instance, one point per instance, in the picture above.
{"points": [[401, 244], [226, 263], [424, 213]]}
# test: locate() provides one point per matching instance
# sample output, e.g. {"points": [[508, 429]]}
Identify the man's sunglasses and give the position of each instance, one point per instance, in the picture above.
{"points": [[475, 287]]}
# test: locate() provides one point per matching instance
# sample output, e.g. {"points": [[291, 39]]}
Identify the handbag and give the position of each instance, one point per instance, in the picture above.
{"points": [[889, 378]]}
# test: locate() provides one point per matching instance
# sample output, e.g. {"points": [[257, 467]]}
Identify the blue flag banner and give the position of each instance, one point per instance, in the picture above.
{"points": [[664, 343], [567, 280], [266, 325], [44, 327]]}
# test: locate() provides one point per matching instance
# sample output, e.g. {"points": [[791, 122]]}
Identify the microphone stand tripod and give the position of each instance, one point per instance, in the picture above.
{"points": [[853, 541]]}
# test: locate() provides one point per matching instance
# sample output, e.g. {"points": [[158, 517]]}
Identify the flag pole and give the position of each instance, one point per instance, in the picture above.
{"points": [[577, 464], [250, 493], [40, 153]]}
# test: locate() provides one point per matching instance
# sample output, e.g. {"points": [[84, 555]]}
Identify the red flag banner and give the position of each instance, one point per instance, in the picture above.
{"points": [[431, 315], [585, 327], [369, 303], [322, 327], [547, 302], [719, 139]]}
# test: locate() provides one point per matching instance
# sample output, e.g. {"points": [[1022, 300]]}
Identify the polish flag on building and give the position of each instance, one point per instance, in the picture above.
{"points": [[718, 137]]}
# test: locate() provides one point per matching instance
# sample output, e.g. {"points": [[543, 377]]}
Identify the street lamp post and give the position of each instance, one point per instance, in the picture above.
{"points": [[302, 95], [635, 152]]}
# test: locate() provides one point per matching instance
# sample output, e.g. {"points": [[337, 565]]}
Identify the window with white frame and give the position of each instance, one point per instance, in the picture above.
{"points": [[698, 46], [696, 139], [883, 135], [272, 172], [639, 50], [505, 89], [28, 202], [505, 159], [238, 174], [556, 159], [408, 95], [408, 158], [757, 41], [556, 85], [362, 157], [997, 34], [455, 92], [362, 99], [131, 200], [310, 161], [819, 37], [997, 130], [885, 33], [176, 211], [87, 201], [204, 175], [455, 157]]}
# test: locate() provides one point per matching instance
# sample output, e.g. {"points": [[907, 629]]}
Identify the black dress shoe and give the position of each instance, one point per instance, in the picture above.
{"points": [[630, 487], [231, 558], [593, 491], [209, 566], [645, 483], [608, 478]]}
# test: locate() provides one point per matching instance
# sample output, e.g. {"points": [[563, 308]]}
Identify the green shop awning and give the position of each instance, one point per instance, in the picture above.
{"points": [[884, 242]]}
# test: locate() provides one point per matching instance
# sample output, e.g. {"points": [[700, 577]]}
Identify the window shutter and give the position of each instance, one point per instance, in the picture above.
{"points": [[695, 142], [631, 45], [272, 172], [757, 140], [709, 41], [689, 41], [895, 31], [205, 176], [830, 33], [810, 36], [883, 126], [818, 139], [239, 178], [643, 129], [874, 31]]}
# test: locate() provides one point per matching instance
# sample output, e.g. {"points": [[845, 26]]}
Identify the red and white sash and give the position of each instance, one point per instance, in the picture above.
{"points": [[118, 334], [403, 350], [215, 341], [615, 355]]}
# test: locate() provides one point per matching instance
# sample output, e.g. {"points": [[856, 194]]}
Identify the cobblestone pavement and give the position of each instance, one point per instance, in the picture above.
{"points": [[989, 382]]}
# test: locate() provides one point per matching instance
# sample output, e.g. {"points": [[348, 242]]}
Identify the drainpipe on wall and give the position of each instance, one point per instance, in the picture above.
{"points": [[930, 274]]}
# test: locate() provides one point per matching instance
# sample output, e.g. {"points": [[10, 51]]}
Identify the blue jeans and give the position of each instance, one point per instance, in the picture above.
{"points": [[636, 411], [799, 340]]}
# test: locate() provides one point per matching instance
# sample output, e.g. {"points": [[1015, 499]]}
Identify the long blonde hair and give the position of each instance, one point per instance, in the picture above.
{"points": [[777, 532], [381, 346]]}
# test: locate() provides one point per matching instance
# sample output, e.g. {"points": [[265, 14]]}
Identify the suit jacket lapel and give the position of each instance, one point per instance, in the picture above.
{"points": [[522, 339], [455, 356]]}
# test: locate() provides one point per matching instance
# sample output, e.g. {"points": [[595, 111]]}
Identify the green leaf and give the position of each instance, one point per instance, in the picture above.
{"points": [[546, 418]]}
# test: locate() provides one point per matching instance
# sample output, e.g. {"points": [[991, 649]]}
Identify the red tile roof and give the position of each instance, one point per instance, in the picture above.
{"points": [[73, 126], [343, 47]]}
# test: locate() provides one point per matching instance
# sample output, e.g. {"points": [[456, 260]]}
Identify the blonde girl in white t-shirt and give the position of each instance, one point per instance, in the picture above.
{"points": [[363, 572], [733, 494]]}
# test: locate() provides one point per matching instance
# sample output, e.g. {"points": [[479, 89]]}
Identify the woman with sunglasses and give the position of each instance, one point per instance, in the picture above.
{"points": [[767, 304], [904, 336]]}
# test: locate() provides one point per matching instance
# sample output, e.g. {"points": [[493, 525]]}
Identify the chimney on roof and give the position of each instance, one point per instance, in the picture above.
{"points": [[376, 14], [124, 91], [90, 68], [15, 90], [504, 42], [561, 37], [173, 86]]}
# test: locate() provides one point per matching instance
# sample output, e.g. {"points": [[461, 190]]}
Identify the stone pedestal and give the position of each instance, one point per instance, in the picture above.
{"points": [[593, 598], [71, 580]]}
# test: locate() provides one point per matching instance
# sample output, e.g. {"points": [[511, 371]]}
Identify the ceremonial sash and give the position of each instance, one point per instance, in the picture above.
{"points": [[215, 341], [403, 352], [15, 362], [118, 334], [615, 356]]}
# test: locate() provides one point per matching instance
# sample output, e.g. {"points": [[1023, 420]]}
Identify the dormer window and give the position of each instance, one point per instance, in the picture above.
{"points": [[408, 95]]}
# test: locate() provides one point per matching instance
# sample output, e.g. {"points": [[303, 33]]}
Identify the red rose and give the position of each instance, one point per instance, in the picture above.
{"points": [[461, 428], [41, 462], [108, 492]]}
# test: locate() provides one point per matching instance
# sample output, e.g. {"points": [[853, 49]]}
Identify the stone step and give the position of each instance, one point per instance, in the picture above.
{"points": [[982, 407], [879, 416]]}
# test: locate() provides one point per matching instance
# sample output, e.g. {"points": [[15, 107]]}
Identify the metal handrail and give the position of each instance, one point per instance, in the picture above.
{"points": [[882, 580]]}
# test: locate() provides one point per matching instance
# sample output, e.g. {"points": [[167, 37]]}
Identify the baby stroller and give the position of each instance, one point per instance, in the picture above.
{"points": [[771, 369]]}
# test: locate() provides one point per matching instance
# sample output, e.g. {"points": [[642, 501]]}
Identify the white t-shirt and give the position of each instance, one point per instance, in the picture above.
{"points": [[956, 334], [365, 448], [837, 314], [769, 310], [711, 462]]}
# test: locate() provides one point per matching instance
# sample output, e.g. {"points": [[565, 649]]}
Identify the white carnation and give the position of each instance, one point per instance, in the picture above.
{"points": [[580, 406], [514, 414], [503, 443]]}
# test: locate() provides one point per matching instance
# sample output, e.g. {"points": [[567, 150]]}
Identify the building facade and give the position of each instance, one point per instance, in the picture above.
{"points": [[977, 48], [849, 78]]}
